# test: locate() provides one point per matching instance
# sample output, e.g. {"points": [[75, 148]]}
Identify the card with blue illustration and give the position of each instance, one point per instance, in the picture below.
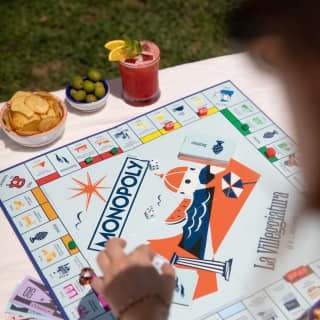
{"points": [[186, 282], [207, 149]]}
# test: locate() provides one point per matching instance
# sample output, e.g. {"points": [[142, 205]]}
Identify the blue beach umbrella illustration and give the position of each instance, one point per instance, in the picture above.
{"points": [[232, 185]]}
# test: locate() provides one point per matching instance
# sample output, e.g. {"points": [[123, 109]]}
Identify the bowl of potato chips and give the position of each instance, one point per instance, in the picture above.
{"points": [[33, 119]]}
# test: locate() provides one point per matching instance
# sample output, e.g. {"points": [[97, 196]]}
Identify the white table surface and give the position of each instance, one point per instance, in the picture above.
{"points": [[175, 83]]}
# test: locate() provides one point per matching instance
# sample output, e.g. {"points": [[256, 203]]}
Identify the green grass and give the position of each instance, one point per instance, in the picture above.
{"points": [[43, 44]]}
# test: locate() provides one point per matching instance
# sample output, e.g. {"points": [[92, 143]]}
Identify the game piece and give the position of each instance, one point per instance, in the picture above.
{"points": [[88, 160], [206, 149], [154, 165], [202, 111], [72, 245], [270, 152], [114, 150], [150, 212], [292, 160], [169, 125], [245, 127], [86, 276]]}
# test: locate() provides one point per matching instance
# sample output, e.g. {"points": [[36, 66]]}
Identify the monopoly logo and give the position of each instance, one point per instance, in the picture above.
{"points": [[120, 202]]}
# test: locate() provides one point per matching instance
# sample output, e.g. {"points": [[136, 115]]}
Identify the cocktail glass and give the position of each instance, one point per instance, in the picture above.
{"points": [[140, 83]]}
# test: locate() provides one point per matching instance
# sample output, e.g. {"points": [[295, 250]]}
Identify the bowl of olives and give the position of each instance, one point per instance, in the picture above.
{"points": [[89, 93]]}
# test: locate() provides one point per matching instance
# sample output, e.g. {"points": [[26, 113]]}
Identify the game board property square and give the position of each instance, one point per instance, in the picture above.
{"points": [[71, 290], [309, 287], [44, 234], [261, 138], [102, 142], [21, 203], [40, 167], [30, 219], [244, 109], [182, 112], [51, 253], [142, 126], [259, 121], [69, 268], [198, 101], [82, 150], [125, 137], [89, 307], [63, 161], [283, 147], [283, 166], [262, 307], [224, 95], [15, 181], [160, 117]]}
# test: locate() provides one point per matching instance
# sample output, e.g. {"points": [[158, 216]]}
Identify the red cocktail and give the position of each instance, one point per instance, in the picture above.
{"points": [[139, 75]]}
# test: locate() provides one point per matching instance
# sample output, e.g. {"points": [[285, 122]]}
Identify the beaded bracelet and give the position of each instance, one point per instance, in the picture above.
{"points": [[133, 301]]}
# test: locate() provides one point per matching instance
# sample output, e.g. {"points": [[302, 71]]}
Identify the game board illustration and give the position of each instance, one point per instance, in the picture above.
{"points": [[207, 212], [211, 208]]}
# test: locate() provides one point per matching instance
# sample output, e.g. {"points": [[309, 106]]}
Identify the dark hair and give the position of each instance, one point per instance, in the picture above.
{"points": [[297, 21]]}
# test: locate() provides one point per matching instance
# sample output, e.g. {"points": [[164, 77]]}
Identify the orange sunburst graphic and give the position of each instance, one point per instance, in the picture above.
{"points": [[89, 189]]}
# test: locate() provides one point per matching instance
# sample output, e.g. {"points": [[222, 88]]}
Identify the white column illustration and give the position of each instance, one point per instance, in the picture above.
{"points": [[222, 268]]}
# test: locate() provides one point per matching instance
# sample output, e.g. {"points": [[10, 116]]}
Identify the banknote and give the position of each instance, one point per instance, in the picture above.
{"points": [[34, 295], [23, 311]]}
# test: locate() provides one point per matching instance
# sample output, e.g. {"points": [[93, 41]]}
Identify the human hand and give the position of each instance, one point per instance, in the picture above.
{"points": [[131, 286]]}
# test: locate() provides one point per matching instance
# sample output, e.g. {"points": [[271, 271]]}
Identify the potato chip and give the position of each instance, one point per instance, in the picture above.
{"points": [[44, 94], [6, 119], [19, 106], [31, 126], [34, 117], [26, 133], [19, 94], [37, 104], [19, 120], [50, 113], [58, 109], [48, 124]]}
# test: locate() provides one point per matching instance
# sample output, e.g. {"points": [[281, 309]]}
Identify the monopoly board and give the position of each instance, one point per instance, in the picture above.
{"points": [[220, 226]]}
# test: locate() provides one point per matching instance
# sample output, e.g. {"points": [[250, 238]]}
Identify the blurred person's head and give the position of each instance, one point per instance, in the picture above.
{"points": [[286, 35]]}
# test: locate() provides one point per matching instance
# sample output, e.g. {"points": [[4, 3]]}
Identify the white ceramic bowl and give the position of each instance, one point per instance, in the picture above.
{"points": [[88, 106], [37, 140]]}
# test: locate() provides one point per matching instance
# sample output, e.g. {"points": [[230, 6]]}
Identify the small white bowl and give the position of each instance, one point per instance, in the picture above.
{"points": [[37, 140], [88, 106]]}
